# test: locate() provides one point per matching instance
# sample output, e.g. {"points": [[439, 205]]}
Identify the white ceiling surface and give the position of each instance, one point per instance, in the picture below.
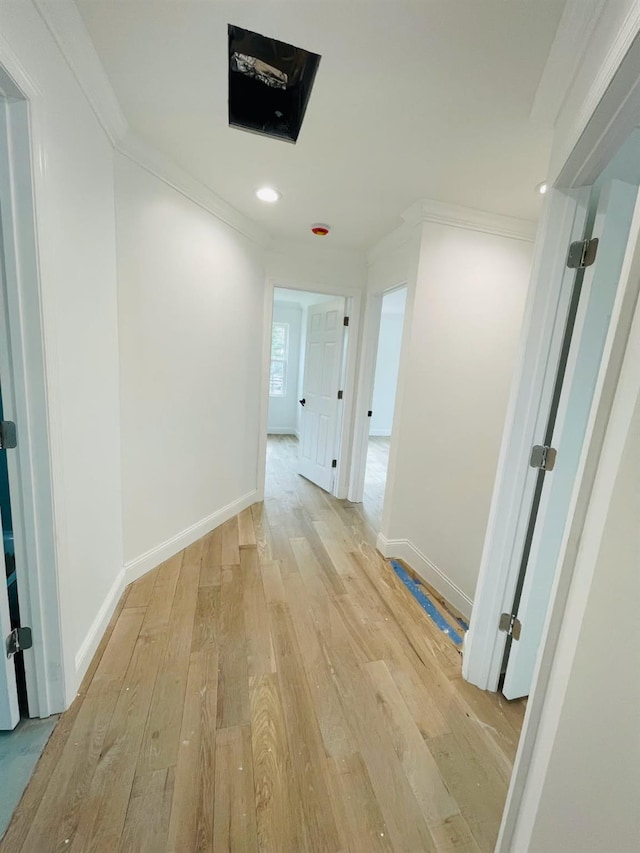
{"points": [[413, 99]]}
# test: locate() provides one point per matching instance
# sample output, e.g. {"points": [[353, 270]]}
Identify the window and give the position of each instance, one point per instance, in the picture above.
{"points": [[279, 358]]}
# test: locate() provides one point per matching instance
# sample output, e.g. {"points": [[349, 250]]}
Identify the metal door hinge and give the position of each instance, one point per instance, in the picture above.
{"points": [[8, 436], [346, 321], [543, 457], [339, 395], [334, 463], [18, 640], [511, 624], [369, 413], [582, 253]]}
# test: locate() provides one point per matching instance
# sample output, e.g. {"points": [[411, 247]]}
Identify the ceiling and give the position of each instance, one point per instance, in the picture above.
{"points": [[413, 99]]}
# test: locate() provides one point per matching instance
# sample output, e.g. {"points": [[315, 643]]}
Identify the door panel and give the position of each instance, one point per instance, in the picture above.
{"points": [[611, 226], [321, 383]]}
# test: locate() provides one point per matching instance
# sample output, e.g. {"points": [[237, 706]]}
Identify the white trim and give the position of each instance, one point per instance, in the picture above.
{"points": [[404, 549], [33, 390], [98, 627], [578, 20], [64, 22], [611, 414], [532, 387], [152, 558], [427, 210], [391, 242], [282, 431], [609, 68], [167, 170], [380, 433]]}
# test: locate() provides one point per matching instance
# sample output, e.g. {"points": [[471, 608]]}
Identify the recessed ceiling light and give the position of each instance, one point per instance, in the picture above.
{"points": [[542, 188], [268, 194]]}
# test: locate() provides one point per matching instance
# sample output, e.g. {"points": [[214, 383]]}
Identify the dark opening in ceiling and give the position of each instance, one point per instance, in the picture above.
{"points": [[270, 84]]}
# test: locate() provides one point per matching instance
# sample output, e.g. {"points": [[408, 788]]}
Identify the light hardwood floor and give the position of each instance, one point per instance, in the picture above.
{"points": [[375, 481], [273, 687]]}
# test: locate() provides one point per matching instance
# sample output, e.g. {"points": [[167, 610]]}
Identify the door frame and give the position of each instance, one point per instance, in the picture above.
{"points": [[353, 299], [366, 381], [22, 171], [614, 103], [614, 400], [612, 119], [562, 222]]}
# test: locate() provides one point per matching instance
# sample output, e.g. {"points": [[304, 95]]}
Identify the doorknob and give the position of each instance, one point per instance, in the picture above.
{"points": [[302, 402]]}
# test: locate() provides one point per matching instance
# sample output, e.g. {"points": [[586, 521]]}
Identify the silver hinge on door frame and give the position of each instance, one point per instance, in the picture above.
{"points": [[510, 623], [18, 640], [582, 253], [543, 457], [8, 438]]}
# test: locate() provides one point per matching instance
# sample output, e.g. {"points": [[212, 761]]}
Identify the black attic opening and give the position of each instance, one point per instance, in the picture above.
{"points": [[269, 84]]}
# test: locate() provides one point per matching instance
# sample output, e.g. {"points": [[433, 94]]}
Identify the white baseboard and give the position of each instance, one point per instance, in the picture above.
{"points": [[380, 432], [403, 549], [281, 431], [152, 558], [98, 627]]}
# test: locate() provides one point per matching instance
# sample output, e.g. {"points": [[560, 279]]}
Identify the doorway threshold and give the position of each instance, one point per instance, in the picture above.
{"points": [[20, 751]]}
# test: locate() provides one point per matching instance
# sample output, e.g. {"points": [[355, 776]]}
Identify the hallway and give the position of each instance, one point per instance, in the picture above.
{"points": [[273, 687]]}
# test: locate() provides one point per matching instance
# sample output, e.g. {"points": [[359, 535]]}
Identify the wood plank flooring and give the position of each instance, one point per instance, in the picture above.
{"points": [[375, 481], [274, 687]]}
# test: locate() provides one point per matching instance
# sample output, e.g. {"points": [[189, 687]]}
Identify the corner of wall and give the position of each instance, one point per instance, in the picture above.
{"points": [[154, 556], [403, 549]]}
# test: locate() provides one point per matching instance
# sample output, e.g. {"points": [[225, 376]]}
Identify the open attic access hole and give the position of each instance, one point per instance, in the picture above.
{"points": [[270, 84]]}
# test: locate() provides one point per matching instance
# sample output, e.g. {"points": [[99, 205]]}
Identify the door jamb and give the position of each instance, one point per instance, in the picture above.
{"points": [[353, 298], [366, 381], [21, 171], [613, 403], [534, 378]]}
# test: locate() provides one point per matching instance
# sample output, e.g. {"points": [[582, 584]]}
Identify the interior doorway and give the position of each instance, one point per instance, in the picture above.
{"points": [[385, 386], [308, 346], [590, 293]]}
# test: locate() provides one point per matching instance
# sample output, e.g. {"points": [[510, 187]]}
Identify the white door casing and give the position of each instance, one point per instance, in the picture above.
{"points": [[563, 220], [322, 373], [611, 227]]}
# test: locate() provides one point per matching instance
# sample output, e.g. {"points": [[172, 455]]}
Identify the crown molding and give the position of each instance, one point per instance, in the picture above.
{"points": [[427, 210], [570, 44], [391, 242], [167, 170], [65, 24]]}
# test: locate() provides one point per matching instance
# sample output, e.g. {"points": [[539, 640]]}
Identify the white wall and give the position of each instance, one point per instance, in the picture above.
{"points": [[386, 376], [283, 411], [591, 788], [74, 200], [468, 299], [191, 302]]}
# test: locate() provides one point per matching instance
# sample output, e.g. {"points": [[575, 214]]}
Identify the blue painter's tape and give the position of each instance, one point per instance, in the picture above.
{"points": [[425, 602]]}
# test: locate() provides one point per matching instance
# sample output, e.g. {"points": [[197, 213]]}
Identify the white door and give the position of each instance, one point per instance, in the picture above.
{"points": [[322, 373], [9, 711], [611, 227]]}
